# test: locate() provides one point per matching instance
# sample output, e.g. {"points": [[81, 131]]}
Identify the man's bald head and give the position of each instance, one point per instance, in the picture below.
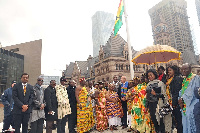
{"points": [[72, 83], [123, 79], [186, 69]]}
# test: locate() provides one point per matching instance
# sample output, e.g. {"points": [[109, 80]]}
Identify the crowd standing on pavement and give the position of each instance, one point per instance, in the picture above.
{"points": [[158, 101]]}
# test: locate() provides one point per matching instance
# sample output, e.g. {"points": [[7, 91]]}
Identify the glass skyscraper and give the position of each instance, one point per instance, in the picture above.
{"points": [[197, 2], [11, 68], [102, 27]]}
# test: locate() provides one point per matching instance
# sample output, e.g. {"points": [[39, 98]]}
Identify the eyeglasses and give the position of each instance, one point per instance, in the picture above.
{"points": [[40, 80]]}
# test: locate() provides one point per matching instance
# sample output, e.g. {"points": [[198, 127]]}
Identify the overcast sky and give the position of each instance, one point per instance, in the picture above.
{"points": [[65, 26]]}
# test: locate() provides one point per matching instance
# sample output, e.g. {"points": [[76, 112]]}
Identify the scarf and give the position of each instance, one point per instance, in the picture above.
{"points": [[168, 90], [185, 84]]}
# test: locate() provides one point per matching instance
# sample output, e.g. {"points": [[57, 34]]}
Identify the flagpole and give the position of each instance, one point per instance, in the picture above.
{"points": [[129, 43]]}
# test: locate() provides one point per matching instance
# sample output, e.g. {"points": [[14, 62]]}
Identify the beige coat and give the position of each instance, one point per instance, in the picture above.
{"points": [[63, 101]]}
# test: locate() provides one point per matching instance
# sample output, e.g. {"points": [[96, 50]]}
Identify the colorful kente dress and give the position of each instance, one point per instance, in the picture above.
{"points": [[84, 123], [140, 120], [114, 110], [101, 114], [91, 115], [129, 102], [129, 106]]}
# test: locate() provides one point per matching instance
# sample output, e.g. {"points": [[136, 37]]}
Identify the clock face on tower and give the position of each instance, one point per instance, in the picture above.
{"points": [[164, 28], [158, 29]]}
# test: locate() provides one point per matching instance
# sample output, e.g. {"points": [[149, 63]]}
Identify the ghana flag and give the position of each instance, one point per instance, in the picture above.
{"points": [[118, 21]]}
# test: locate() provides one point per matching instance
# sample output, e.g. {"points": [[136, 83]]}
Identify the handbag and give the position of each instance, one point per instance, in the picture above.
{"points": [[165, 110]]}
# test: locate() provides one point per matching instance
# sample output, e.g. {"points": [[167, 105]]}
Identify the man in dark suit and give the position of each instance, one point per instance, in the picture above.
{"points": [[23, 97], [50, 109], [72, 100], [122, 91]]}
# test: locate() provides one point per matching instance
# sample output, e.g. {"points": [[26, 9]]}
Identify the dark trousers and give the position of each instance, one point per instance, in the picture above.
{"points": [[21, 119], [177, 119], [152, 111], [37, 126], [72, 120], [8, 120], [49, 126], [124, 118], [61, 123]]}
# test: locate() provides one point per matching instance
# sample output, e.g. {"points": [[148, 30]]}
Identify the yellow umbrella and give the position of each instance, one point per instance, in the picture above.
{"points": [[156, 54]]}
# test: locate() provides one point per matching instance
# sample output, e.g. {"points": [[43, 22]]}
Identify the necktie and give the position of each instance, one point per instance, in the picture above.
{"points": [[24, 90]]}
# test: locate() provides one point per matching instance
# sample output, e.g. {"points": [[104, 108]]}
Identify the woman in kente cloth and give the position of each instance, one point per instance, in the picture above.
{"points": [[173, 86], [141, 121], [90, 107], [101, 114], [129, 98], [83, 112], [114, 108]]}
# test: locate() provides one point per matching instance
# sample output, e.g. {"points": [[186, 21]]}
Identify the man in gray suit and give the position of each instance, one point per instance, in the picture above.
{"points": [[37, 116]]}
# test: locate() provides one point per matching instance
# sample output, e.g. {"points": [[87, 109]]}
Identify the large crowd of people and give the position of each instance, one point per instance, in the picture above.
{"points": [[155, 102]]}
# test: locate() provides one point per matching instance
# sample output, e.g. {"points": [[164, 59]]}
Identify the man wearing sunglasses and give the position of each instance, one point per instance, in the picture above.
{"points": [[37, 116]]}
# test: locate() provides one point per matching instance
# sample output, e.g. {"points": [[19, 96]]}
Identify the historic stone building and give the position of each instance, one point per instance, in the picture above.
{"points": [[112, 60], [170, 26], [80, 69]]}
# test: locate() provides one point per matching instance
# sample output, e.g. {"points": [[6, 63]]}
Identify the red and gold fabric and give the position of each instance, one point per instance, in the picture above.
{"points": [[101, 114]]}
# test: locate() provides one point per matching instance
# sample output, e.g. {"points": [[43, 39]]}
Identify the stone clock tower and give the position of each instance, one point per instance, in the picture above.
{"points": [[161, 33]]}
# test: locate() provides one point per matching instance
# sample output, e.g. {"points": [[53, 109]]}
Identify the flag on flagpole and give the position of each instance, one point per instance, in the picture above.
{"points": [[118, 21]]}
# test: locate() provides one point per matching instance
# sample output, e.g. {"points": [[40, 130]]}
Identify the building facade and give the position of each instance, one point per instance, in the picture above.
{"points": [[102, 26], [32, 57], [81, 69], [47, 79], [112, 60], [170, 25], [11, 68], [197, 2]]}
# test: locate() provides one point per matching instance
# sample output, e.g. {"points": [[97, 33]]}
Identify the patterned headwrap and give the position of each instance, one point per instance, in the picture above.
{"points": [[136, 78], [81, 79], [130, 81]]}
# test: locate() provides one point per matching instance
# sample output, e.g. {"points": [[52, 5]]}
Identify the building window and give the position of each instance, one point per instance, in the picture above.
{"points": [[107, 79], [116, 66], [122, 67], [126, 67], [126, 55]]}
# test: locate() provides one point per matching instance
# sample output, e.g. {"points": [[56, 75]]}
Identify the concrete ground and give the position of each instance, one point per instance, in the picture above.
{"points": [[54, 131]]}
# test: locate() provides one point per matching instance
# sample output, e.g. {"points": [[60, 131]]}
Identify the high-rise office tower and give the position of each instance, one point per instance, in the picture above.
{"points": [[102, 26], [170, 25], [197, 2]]}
